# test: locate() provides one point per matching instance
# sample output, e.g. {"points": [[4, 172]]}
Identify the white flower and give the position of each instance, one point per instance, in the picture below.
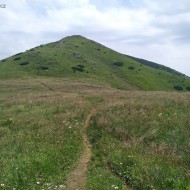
{"points": [[61, 186], [2, 184], [38, 182]]}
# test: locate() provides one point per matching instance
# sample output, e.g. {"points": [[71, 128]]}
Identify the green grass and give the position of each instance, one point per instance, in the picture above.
{"points": [[143, 139], [40, 138], [57, 60], [140, 140]]}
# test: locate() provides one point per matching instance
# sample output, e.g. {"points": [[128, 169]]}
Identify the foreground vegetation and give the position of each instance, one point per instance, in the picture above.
{"points": [[143, 138], [40, 135], [140, 140]]}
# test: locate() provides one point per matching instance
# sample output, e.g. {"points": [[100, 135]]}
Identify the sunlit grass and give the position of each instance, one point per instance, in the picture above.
{"points": [[140, 139]]}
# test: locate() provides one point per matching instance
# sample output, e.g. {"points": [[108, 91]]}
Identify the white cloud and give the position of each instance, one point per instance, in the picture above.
{"points": [[151, 29]]}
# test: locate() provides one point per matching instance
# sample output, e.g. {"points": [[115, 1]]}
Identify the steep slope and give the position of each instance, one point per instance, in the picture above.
{"points": [[155, 65], [76, 57]]}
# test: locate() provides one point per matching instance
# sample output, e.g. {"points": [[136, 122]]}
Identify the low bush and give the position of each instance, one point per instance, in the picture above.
{"points": [[79, 68], [177, 87], [188, 88], [24, 63], [43, 67], [17, 58], [131, 67], [119, 64]]}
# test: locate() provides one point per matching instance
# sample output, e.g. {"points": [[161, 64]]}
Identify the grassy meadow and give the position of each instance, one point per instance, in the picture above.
{"points": [[139, 140]]}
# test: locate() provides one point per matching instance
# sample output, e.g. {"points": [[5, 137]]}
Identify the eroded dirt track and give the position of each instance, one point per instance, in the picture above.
{"points": [[77, 178]]}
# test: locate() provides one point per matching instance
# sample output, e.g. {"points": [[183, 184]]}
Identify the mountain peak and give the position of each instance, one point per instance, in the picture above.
{"points": [[73, 37], [77, 57]]}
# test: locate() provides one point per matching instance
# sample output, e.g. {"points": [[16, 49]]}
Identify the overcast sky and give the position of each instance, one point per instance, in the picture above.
{"points": [[157, 30]]}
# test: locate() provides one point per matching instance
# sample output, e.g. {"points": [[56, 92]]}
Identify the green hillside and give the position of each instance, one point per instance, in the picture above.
{"points": [[76, 57]]}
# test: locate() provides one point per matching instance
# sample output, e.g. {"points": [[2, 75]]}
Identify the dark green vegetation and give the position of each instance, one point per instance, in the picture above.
{"points": [[155, 65], [76, 57]]}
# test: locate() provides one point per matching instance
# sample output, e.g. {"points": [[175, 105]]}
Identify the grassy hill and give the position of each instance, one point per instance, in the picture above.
{"points": [[64, 125], [78, 58]]}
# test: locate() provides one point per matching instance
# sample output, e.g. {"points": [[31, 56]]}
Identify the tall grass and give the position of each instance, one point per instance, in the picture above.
{"points": [[40, 138], [140, 140], [143, 138]]}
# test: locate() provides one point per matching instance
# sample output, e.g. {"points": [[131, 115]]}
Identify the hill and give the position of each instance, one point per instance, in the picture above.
{"points": [[78, 58]]}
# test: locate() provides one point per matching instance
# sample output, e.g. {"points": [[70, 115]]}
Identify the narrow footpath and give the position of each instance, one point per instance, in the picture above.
{"points": [[77, 178]]}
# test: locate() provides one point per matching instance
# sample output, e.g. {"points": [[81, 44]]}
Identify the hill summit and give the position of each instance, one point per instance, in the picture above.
{"points": [[78, 58]]}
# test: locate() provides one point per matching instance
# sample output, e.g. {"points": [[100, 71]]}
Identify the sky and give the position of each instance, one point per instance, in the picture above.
{"points": [[156, 30]]}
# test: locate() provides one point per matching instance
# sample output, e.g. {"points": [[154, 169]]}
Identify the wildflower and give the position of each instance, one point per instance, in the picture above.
{"points": [[160, 114], [2, 184], [38, 182], [48, 184], [61, 186]]}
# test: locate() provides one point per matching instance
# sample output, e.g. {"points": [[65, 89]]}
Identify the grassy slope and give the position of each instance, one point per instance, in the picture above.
{"points": [[142, 138], [58, 59], [138, 138]]}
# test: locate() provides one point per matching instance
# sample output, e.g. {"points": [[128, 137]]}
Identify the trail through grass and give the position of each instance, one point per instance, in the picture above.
{"points": [[51, 137], [77, 178]]}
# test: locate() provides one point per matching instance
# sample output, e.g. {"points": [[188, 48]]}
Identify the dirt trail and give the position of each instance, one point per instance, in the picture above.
{"points": [[77, 179]]}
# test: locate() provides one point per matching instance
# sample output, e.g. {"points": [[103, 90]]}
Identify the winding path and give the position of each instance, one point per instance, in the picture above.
{"points": [[77, 179]]}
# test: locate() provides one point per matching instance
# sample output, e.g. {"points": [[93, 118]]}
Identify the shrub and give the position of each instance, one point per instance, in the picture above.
{"points": [[77, 55], [131, 67], [119, 64], [4, 60], [44, 67], [188, 88], [79, 68], [177, 87], [24, 63], [17, 58], [98, 49]]}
